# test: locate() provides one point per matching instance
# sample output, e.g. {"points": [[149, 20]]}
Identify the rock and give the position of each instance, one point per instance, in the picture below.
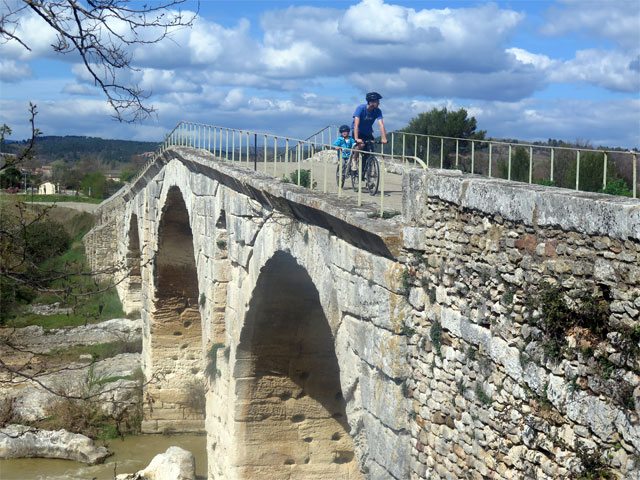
{"points": [[19, 441], [31, 401], [174, 464]]}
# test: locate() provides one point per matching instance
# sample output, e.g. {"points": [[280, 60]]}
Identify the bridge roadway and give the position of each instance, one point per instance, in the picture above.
{"points": [[321, 170]]}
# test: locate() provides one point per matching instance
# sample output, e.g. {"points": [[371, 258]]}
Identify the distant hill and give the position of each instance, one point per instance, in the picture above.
{"points": [[72, 148]]}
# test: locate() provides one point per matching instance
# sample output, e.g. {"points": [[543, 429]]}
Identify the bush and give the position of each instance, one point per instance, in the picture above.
{"points": [[45, 239], [617, 187], [305, 178]]}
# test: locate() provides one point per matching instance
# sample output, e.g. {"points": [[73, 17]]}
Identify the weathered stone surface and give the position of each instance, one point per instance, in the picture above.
{"points": [[18, 441]]}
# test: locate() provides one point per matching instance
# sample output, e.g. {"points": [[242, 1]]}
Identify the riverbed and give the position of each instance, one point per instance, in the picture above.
{"points": [[129, 455]]}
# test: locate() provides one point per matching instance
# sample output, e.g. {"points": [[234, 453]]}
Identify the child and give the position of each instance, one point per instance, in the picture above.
{"points": [[345, 142]]}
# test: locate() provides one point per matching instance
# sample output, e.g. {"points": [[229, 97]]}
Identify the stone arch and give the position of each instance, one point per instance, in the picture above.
{"points": [[132, 301], [174, 400], [290, 409]]}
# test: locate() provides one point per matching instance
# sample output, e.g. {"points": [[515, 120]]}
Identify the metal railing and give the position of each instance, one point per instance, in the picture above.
{"points": [[280, 156], [550, 165]]}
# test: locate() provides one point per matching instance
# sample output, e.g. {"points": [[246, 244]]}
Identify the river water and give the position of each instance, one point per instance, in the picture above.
{"points": [[129, 456]]}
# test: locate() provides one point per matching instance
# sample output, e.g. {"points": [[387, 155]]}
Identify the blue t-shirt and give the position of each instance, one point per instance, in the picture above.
{"points": [[345, 145], [366, 119]]}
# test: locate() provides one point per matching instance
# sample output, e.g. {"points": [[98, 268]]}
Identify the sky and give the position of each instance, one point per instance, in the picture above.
{"points": [[530, 70]]}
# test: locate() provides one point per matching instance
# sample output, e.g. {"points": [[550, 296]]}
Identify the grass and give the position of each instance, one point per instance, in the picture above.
{"points": [[60, 198], [99, 351]]}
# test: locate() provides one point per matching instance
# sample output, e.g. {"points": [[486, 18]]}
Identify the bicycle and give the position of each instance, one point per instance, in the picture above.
{"points": [[370, 169]]}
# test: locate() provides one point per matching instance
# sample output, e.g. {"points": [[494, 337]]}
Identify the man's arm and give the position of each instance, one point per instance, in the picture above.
{"points": [[383, 132]]}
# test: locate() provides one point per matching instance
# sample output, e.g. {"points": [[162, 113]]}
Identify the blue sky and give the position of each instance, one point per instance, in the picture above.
{"points": [[531, 70]]}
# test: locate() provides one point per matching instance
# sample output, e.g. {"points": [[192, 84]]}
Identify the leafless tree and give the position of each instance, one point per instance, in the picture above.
{"points": [[101, 32]]}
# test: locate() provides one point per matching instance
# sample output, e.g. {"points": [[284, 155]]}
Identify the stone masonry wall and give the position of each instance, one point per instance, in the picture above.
{"points": [[524, 340]]}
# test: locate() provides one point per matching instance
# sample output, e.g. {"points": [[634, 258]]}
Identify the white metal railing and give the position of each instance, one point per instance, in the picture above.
{"points": [[281, 156], [481, 155]]}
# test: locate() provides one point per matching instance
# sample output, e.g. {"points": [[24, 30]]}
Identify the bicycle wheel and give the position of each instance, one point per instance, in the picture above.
{"points": [[373, 175], [354, 178]]}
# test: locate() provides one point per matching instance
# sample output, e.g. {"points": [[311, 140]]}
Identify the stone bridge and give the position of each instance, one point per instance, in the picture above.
{"points": [[332, 344]]}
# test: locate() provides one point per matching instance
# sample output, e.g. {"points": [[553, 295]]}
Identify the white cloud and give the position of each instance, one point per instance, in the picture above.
{"points": [[80, 89], [615, 20], [12, 71], [510, 85], [607, 69]]}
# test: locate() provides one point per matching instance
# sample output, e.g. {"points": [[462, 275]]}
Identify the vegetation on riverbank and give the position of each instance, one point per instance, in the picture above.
{"points": [[43, 262]]}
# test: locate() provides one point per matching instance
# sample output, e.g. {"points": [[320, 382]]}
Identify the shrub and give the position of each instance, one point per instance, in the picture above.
{"points": [[45, 239], [617, 187], [305, 178], [212, 355]]}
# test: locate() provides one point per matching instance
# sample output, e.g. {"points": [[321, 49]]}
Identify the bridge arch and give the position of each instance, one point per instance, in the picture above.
{"points": [[175, 396], [291, 417], [132, 301]]}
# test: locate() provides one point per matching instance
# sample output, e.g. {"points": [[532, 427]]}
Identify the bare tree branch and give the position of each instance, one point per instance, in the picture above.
{"points": [[100, 32]]}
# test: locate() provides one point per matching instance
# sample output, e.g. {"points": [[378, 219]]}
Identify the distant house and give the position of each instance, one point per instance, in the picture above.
{"points": [[47, 188]]}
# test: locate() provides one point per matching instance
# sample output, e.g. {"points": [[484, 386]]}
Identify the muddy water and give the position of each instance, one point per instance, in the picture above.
{"points": [[129, 456]]}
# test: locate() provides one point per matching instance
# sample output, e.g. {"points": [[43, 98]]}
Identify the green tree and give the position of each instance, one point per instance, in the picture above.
{"points": [[445, 123], [127, 175], [94, 185], [519, 166], [11, 177]]}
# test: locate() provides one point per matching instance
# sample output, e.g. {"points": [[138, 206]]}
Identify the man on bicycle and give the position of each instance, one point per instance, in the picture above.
{"points": [[363, 120]]}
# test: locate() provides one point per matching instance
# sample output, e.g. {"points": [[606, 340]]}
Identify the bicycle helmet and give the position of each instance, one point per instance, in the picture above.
{"points": [[373, 96], [344, 128]]}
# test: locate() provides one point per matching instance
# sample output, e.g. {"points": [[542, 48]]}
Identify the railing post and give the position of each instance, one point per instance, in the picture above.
{"points": [[265, 154], [286, 156], [473, 155], [326, 164], [428, 153], [209, 146], [248, 160], [233, 146], [299, 152], [457, 142], [255, 150], [340, 162], [382, 170], [490, 158], [275, 155], [215, 137], [311, 167], [415, 145], [552, 159], [404, 136], [578, 170], [635, 175], [392, 144], [604, 172], [441, 152], [509, 166], [530, 164], [360, 179]]}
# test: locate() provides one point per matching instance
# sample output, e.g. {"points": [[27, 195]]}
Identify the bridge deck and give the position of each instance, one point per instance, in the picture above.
{"points": [[321, 171]]}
